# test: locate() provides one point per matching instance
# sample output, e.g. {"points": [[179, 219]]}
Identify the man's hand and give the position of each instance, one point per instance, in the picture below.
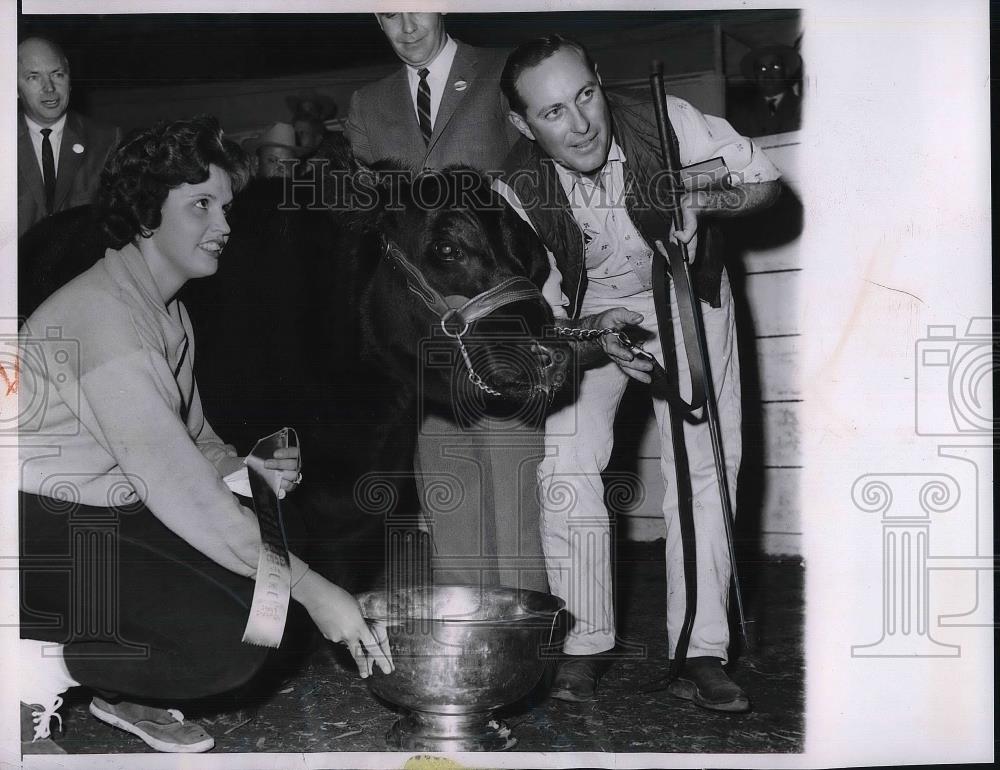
{"points": [[338, 617], [741, 199], [689, 218], [690, 211], [618, 318]]}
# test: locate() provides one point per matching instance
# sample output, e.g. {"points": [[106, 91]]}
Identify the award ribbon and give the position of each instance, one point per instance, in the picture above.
{"points": [[273, 587]]}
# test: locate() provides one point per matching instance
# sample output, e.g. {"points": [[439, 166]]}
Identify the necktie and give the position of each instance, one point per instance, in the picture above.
{"points": [[424, 105], [772, 106], [48, 171]]}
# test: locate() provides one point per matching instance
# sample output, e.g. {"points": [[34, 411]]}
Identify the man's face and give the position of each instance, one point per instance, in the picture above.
{"points": [[769, 71], [42, 82], [308, 133], [565, 111], [274, 161], [417, 38]]}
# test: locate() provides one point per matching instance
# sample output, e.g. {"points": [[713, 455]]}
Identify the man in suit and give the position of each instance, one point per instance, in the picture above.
{"points": [[60, 153], [772, 102], [444, 107], [466, 116]]}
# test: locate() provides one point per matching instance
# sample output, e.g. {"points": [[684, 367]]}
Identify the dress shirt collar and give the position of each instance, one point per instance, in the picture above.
{"points": [[55, 140], [441, 63], [437, 77], [57, 128]]}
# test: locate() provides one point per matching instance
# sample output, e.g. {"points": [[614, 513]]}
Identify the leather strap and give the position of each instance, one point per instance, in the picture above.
{"points": [[506, 292], [678, 270], [416, 282], [510, 290], [685, 496]]}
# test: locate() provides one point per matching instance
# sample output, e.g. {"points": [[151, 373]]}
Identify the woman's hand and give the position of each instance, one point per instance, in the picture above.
{"points": [[338, 617], [288, 461]]}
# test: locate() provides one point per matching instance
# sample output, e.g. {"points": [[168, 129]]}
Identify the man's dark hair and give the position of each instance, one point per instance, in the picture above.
{"points": [[530, 54], [151, 162]]}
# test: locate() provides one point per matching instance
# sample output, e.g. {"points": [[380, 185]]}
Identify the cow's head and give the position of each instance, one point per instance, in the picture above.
{"points": [[451, 232]]}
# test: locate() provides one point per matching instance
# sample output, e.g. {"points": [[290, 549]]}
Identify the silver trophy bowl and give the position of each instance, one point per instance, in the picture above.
{"points": [[460, 652]]}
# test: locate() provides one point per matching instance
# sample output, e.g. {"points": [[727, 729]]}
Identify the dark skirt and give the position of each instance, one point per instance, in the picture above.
{"points": [[140, 612]]}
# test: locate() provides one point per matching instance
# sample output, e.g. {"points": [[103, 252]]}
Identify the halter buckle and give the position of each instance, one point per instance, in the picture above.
{"points": [[444, 323]]}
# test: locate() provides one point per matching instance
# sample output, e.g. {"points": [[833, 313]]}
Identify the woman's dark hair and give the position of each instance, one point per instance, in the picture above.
{"points": [[150, 162], [530, 54]]}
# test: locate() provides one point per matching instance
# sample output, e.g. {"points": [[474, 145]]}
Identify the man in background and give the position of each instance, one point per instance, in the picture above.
{"points": [[772, 102], [60, 153], [310, 111], [276, 151], [442, 107]]}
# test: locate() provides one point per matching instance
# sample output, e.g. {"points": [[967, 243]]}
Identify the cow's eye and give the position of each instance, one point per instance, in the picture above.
{"points": [[446, 252]]}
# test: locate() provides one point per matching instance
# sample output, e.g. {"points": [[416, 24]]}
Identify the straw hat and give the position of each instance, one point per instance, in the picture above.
{"points": [[278, 135]]}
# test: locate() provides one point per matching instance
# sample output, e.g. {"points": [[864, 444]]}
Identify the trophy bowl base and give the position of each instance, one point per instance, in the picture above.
{"points": [[421, 731]]}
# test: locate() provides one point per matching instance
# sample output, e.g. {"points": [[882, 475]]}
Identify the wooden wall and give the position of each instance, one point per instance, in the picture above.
{"points": [[765, 270]]}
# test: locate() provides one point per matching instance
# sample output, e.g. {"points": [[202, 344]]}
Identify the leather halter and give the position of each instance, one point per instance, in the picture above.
{"points": [[456, 308]]}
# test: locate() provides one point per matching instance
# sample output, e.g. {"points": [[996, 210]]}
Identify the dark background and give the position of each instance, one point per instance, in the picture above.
{"points": [[152, 49]]}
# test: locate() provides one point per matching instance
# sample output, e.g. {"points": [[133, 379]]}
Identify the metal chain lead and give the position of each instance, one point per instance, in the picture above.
{"points": [[593, 334], [474, 378], [574, 333]]}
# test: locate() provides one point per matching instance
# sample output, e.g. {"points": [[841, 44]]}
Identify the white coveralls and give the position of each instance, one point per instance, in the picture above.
{"points": [[578, 438]]}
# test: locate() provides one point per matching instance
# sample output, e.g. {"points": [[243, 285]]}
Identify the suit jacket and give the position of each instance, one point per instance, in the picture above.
{"points": [[78, 174], [471, 126], [749, 113]]}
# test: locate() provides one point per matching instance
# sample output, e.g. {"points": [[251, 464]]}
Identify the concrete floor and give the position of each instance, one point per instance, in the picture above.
{"points": [[311, 700]]}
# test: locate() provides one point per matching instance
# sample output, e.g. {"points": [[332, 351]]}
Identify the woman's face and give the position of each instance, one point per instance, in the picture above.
{"points": [[192, 233]]}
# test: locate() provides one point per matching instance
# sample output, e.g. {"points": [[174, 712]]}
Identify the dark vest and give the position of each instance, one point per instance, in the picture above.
{"points": [[536, 183]]}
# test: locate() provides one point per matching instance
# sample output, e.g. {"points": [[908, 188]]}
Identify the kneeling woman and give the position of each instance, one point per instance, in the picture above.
{"points": [[136, 559]]}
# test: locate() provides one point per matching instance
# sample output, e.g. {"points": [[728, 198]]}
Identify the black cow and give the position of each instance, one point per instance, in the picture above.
{"points": [[312, 321]]}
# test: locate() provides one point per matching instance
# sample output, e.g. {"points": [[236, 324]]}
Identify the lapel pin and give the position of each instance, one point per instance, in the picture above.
{"points": [[78, 149], [461, 85]]}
